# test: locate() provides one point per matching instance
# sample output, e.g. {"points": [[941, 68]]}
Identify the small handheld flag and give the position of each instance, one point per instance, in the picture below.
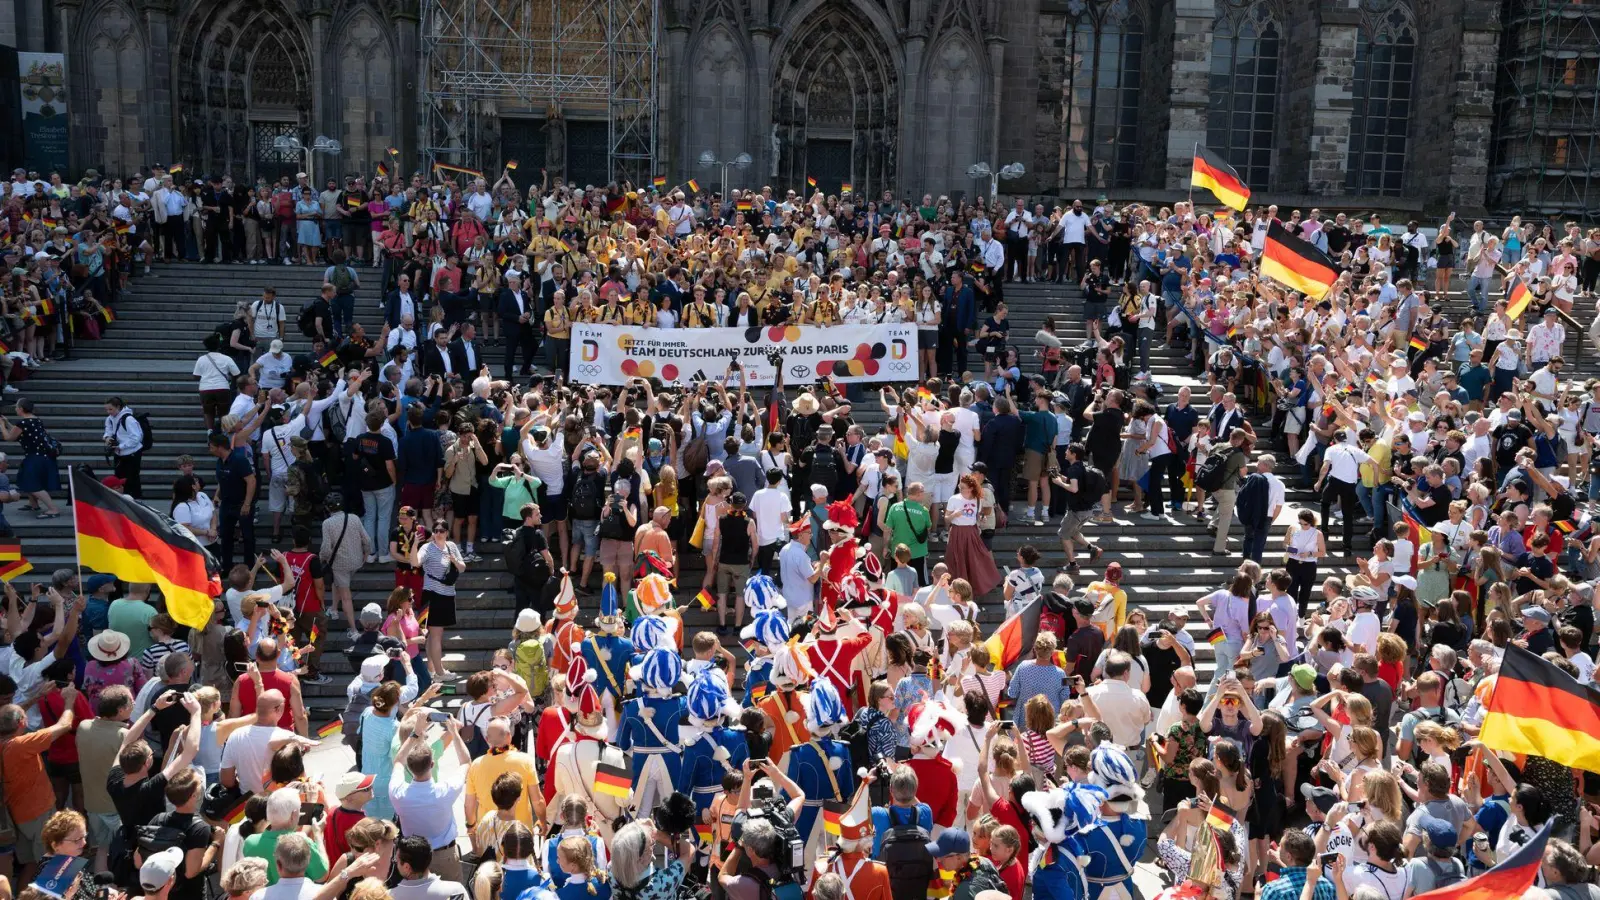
{"points": [[743, 206], [121, 226], [383, 171], [1417, 343], [757, 691], [511, 165], [14, 569], [660, 181], [10, 552], [394, 151], [1518, 301], [704, 599], [329, 358], [694, 186], [832, 812], [1216, 637], [847, 188], [1221, 815], [613, 781], [330, 729], [810, 181], [704, 832], [108, 314]]}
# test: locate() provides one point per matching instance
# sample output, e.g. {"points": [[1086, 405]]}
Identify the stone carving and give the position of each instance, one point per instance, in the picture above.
{"points": [[555, 142]]}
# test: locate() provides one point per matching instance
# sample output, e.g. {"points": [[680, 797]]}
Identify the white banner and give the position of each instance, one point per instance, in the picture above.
{"points": [[612, 354]]}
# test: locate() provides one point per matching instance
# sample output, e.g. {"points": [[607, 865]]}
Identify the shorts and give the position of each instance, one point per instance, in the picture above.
{"points": [[216, 403], [69, 771], [464, 504], [487, 303], [417, 496], [441, 609], [341, 576], [616, 556], [1094, 312], [927, 339], [1106, 462], [30, 839], [940, 487], [1032, 465], [731, 576], [278, 493], [586, 536], [1294, 421], [553, 508], [1072, 523], [103, 828]]}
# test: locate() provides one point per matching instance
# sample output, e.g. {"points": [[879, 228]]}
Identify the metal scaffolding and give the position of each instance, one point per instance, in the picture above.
{"points": [[1546, 153], [586, 59]]}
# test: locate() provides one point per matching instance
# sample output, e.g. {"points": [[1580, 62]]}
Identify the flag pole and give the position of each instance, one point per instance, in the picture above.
{"points": [[77, 537], [1191, 178]]}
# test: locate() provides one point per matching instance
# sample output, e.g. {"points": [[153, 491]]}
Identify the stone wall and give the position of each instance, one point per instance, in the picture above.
{"points": [[1156, 79], [1021, 83], [1189, 88], [1453, 110], [1314, 142]]}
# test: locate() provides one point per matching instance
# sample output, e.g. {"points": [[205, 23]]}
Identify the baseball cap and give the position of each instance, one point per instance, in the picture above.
{"points": [[350, 782], [372, 612], [1439, 832], [276, 346], [950, 842], [160, 869], [527, 620], [113, 482], [1322, 798], [1406, 581], [1305, 676]]}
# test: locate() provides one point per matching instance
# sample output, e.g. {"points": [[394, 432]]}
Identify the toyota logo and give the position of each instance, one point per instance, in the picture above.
{"points": [[799, 371]]}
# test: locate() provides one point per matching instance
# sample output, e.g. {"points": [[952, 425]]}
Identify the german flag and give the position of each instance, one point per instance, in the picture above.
{"points": [[704, 599], [810, 181], [1213, 173], [331, 729], [832, 812], [694, 186], [177, 168], [236, 815], [1216, 637], [757, 691], [383, 170], [121, 226], [1015, 635], [511, 165], [743, 206], [1417, 344], [660, 181], [1221, 815], [108, 314], [1509, 878], [1422, 536], [10, 552], [394, 151], [1296, 263], [15, 569], [1537, 709], [1565, 526], [847, 188], [704, 832], [451, 171], [120, 536], [1518, 301], [329, 358], [613, 781]]}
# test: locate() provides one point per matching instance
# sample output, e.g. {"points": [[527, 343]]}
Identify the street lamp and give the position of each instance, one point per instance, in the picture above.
{"points": [[709, 160], [1008, 172], [288, 143]]}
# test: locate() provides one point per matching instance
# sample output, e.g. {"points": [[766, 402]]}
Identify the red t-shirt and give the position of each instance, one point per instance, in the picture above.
{"points": [[1390, 674], [65, 748], [1006, 811], [307, 568], [270, 681], [1014, 875], [339, 821]]}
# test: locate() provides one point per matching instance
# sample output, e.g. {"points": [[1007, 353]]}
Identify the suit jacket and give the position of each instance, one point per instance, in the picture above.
{"points": [[508, 307], [433, 360], [391, 307], [458, 357]]}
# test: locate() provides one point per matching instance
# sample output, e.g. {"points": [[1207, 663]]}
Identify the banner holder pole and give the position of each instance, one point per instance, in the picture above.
{"points": [[77, 538], [1191, 182]]}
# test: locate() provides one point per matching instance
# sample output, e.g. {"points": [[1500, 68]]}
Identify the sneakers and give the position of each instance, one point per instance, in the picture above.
{"points": [[384, 559], [371, 559], [318, 678], [1038, 522], [1150, 516], [352, 635]]}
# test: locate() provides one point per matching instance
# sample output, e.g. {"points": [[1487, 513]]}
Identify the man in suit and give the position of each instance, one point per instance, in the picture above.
{"points": [[436, 356], [400, 302], [216, 205], [517, 313], [466, 357]]}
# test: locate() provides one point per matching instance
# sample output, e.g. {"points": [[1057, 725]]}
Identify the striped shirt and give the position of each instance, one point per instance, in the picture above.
{"points": [[151, 658]]}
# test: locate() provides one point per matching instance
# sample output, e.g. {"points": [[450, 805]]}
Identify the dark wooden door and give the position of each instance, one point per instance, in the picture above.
{"points": [[588, 153], [524, 141], [828, 161], [271, 164]]}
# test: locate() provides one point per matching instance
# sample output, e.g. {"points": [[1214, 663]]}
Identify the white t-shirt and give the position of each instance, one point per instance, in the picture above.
{"points": [[233, 598], [963, 749], [768, 506], [961, 510], [275, 369], [267, 317], [1364, 630], [1391, 885], [248, 753], [966, 423], [213, 370]]}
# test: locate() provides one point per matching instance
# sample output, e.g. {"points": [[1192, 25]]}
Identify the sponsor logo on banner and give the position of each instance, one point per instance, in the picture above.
{"points": [[847, 353]]}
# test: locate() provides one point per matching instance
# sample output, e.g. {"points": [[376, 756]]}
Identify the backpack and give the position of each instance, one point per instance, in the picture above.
{"points": [[825, 467], [335, 418], [520, 560], [307, 320], [586, 498], [1442, 877], [342, 278], [1054, 614], [148, 439], [1213, 472], [614, 524], [351, 717], [1091, 487], [533, 664], [904, 853], [154, 838]]}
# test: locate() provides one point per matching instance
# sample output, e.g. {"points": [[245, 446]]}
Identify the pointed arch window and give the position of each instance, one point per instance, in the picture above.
{"points": [[1380, 120], [1105, 49], [1245, 60]]}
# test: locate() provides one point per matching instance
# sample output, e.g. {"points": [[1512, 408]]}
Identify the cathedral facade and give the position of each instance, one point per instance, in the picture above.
{"points": [[1380, 103]]}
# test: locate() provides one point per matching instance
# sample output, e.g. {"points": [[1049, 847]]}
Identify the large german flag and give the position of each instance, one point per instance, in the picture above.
{"points": [[1518, 301], [1509, 878], [1213, 173], [1536, 708], [1296, 263], [1015, 636], [120, 536]]}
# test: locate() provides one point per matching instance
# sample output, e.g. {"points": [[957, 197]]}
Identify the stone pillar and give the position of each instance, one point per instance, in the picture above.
{"points": [[1017, 97], [1314, 140], [759, 112], [997, 58], [79, 154], [324, 105], [1453, 110], [1188, 93], [909, 174], [32, 27], [674, 143], [157, 15], [407, 50], [8, 24]]}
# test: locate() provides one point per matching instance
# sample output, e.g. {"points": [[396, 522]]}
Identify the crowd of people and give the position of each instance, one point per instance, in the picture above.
{"points": [[854, 725]]}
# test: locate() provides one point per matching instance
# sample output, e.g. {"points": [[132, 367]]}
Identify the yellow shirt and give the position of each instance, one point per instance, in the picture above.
{"points": [[1118, 609], [699, 314], [1381, 452], [610, 314], [557, 323], [823, 312], [640, 312], [485, 769]]}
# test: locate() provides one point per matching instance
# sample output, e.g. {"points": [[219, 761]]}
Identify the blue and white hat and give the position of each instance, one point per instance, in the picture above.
{"points": [[651, 633], [824, 709], [768, 627], [708, 698], [761, 592], [1111, 768], [660, 670], [1062, 812]]}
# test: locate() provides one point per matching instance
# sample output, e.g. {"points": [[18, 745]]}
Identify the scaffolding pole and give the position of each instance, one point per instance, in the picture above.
{"points": [[484, 59], [1546, 155]]}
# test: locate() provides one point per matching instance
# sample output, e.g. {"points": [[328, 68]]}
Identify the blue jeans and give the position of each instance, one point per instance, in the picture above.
{"points": [[1478, 293], [419, 665], [344, 313], [378, 509], [1226, 652], [1255, 543]]}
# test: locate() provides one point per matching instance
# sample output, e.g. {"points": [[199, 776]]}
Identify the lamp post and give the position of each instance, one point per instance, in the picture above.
{"points": [[709, 160], [288, 143], [1008, 172]]}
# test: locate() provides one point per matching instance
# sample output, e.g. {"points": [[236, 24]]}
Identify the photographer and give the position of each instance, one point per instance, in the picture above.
{"points": [[286, 815], [758, 848], [633, 849]]}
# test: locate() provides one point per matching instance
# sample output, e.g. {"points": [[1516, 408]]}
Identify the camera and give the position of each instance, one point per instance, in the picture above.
{"points": [[674, 815]]}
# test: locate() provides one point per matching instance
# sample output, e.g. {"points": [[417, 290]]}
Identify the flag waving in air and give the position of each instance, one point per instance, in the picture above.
{"points": [[1536, 708], [1015, 635], [1510, 877], [1296, 263], [1213, 173], [120, 536]]}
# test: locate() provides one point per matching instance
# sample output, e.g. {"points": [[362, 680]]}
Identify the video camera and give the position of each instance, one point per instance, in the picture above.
{"points": [[765, 804]]}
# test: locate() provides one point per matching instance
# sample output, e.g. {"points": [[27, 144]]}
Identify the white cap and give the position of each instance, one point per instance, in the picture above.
{"points": [[527, 620], [372, 668], [160, 868], [276, 346], [372, 612]]}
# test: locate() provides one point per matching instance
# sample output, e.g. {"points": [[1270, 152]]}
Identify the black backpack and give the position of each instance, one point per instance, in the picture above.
{"points": [[148, 439], [307, 321], [904, 853], [1092, 486], [1442, 877], [614, 524], [586, 497], [825, 467], [1214, 471]]}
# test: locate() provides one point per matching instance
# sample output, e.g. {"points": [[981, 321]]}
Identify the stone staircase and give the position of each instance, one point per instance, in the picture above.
{"points": [[148, 355]]}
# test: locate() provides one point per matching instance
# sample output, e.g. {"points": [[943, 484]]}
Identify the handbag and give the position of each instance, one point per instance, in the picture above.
{"points": [[451, 573], [697, 539]]}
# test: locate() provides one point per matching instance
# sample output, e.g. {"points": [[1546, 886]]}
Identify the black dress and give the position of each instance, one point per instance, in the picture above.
{"points": [[1265, 816]]}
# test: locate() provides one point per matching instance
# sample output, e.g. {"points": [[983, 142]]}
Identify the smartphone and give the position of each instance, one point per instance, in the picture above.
{"points": [[1326, 859], [310, 813], [438, 716], [1007, 725]]}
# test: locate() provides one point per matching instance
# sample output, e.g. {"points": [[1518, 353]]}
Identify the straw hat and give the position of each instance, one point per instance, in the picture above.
{"points": [[109, 646]]}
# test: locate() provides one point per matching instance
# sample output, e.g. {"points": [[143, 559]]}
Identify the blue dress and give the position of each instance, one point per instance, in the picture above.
{"points": [[377, 760], [308, 232], [39, 470]]}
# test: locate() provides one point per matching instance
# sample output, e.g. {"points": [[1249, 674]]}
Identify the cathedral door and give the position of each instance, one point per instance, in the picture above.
{"points": [[828, 161]]}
